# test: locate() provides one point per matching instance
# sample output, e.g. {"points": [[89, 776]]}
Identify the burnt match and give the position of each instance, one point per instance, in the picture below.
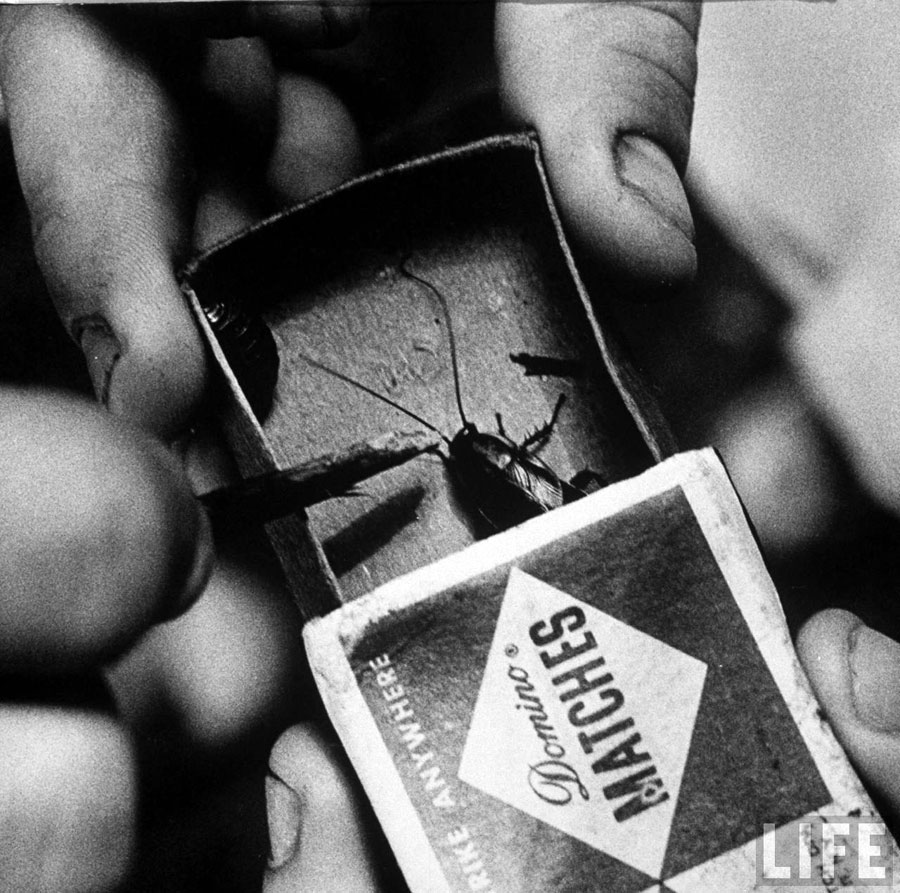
{"points": [[273, 495]]}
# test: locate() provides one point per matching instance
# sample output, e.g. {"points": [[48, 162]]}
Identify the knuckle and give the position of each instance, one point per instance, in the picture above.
{"points": [[306, 762]]}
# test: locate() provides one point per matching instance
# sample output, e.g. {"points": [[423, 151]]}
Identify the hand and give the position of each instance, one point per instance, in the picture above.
{"points": [[855, 672], [102, 546], [136, 139], [844, 346], [321, 832], [118, 130], [100, 537]]}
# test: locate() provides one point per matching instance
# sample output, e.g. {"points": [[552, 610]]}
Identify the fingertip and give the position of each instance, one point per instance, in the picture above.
{"points": [[230, 665], [609, 88], [159, 377], [319, 842], [855, 673], [153, 376], [103, 160], [626, 206], [875, 678], [312, 765], [318, 145], [159, 542], [823, 648], [101, 535], [68, 798], [663, 238], [144, 351]]}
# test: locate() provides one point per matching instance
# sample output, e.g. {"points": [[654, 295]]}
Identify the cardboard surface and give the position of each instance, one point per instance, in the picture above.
{"points": [[478, 224]]}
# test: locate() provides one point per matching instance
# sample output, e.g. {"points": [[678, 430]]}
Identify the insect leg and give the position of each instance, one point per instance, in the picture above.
{"points": [[539, 438], [588, 481], [500, 429], [533, 365]]}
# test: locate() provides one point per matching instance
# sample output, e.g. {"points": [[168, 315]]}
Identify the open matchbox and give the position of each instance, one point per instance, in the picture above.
{"points": [[602, 698]]}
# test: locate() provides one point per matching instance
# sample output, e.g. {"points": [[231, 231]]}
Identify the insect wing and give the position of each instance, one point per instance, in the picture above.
{"points": [[505, 486], [535, 478]]}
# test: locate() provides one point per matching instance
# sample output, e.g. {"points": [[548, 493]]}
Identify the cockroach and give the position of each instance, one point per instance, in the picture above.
{"points": [[249, 348], [505, 482]]}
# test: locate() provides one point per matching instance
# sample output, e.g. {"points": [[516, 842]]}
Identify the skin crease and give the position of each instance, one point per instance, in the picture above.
{"points": [[609, 88], [303, 764], [855, 672], [625, 203]]}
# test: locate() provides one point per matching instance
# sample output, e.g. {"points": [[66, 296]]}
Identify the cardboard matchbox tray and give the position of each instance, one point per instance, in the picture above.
{"points": [[602, 698]]}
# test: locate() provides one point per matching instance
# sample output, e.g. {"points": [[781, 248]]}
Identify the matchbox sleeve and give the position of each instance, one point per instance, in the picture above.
{"points": [[604, 698]]}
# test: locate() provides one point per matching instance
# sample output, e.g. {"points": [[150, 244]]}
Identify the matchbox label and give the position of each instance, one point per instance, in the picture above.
{"points": [[583, 722], [584, 711]]}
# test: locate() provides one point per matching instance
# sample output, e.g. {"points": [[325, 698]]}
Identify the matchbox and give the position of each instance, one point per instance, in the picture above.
{"points": [[604, 698], [332, 280]]}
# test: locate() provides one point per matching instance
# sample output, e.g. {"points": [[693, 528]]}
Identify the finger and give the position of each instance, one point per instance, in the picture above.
{"points": [[102, 161], [318, 838], [229, 668], [100, 535], [609, 87], [323, 24], [235, 129], [855, 672], [779, 460], [67, 801], [317, 146]]}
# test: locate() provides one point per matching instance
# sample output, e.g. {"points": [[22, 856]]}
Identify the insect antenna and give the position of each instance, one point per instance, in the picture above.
{"points": [[372, 392], [450, 334]]}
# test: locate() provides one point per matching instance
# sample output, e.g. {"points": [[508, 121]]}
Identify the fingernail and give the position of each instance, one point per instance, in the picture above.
{"points": [[204, 556], [645, 168], [196, 554], [101, 349], [875, 678], [284, 811]]}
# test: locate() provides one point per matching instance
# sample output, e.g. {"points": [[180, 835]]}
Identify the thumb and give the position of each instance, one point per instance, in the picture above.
{"points": [[319, 841], [855, 672], [101, 160], [609, 87]]}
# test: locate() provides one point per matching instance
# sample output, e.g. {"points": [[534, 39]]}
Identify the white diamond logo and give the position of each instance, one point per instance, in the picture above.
{"points": [[583, 722]]}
